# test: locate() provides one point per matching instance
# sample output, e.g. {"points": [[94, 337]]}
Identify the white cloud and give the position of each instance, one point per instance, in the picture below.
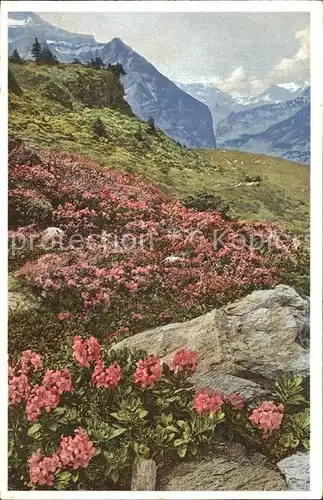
{"points": [[296, 68]]}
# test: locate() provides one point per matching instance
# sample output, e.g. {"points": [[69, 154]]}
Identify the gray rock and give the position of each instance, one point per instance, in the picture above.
{"points": [[144, 475], [226, 383], [52, 236], [19, 297], [255, 338], [229, 469], [296, 470]]}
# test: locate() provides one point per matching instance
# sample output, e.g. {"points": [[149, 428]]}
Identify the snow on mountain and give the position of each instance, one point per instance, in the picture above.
{"points": [[148, 92], [258, 119]]}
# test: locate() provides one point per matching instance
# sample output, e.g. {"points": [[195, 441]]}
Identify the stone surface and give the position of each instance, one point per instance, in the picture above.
{"points": [[255, 338], [52, 236], [229, 469], [19, 297], [144, 475], [296, 470]]}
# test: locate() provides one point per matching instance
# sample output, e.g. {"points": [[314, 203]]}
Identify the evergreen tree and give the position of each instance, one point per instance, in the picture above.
{"points": [[117, 69], [47, 57], [151, 125], [36, 51], [96, 63], [76, 61], [99, 129], [15, 57]]}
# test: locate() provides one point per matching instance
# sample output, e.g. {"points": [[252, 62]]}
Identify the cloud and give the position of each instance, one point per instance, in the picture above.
{"points": [[295, 68]]}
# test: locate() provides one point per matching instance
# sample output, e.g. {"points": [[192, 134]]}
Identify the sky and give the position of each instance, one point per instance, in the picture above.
{"points": [[241, 53]]}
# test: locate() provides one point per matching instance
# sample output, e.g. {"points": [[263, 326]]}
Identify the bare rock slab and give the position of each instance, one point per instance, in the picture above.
{"points": [[256, 338], [229, 469], [144, 475], [296, 470]]}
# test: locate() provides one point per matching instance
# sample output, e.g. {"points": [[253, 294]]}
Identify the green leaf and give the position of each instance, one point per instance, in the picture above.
{"points": [[33, 430], [143, 413], [116, 432], [52, 426], [179, 442], [116, 415], [182, 450], [115, 475]]}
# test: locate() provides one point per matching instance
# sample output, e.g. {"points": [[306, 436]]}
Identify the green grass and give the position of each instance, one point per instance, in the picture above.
{"points": [[46, 120]]}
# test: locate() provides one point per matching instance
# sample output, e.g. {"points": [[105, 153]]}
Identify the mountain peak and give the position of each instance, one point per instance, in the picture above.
{"points": [[118, 43]]}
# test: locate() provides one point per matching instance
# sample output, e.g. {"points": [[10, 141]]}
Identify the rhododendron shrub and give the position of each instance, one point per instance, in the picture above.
{"points": [[133, 257], [84, 425]]}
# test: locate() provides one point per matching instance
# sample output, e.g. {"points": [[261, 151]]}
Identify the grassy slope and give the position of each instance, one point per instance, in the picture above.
{"points": [[282, 196]]}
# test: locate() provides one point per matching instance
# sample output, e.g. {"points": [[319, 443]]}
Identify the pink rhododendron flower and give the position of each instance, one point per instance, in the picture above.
{"points": [[207, 401], [85, 351], [236, 400], [137, 316], [58, 380], [40, 398], [19, 388], [148, 371], [63, 316], [184, 361], [78, 451], [267, 417], [29, 360], [41, 469], [106, 377]]}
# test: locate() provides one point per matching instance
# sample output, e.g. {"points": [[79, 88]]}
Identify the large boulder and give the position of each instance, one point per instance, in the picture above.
{"points": [[229, 469], [296, 469], [243, 346]]}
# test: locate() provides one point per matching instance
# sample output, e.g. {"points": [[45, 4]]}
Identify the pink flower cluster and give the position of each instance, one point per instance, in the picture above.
{"points": [[184, 361], [47, 396], [106, 377], [88, 197], [41, 469], [85, 351], [74, 452], [19, 388], [267, 417], [148, 372], [29, 360], [207, 401], [236, 400], [78, 451]]}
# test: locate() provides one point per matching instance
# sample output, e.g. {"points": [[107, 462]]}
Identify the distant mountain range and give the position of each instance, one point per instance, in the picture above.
{"points": [[148, 92], [254, 124], [186, 111]]}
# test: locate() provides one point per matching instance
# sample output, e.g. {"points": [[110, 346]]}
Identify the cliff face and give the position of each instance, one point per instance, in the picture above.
{"points": [[74, 86]]}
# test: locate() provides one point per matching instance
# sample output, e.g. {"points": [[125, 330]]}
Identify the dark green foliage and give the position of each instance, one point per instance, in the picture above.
{"points": [[205, 201], [15, 57], [47, 57], [24, 211], [117, 69], [151, 125], [99, 129], [254, 178], [76, 61], [96, 63], [36, 51], [13, 84]]}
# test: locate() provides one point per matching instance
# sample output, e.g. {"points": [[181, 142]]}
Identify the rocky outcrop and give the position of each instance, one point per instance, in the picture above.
{"points": [[296, 470], [229, 469], [243, 346]]}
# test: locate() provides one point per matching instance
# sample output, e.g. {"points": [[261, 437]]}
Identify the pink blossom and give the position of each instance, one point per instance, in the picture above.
{"points": [[236, 400], [267, 417], [207, 401], [41, 468], [29, 360], [58, 380], [184, 361], [106, 377], [38, 399], [63, 316], [76, 452], [85, 351], [19, 388], [148, 371]]}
